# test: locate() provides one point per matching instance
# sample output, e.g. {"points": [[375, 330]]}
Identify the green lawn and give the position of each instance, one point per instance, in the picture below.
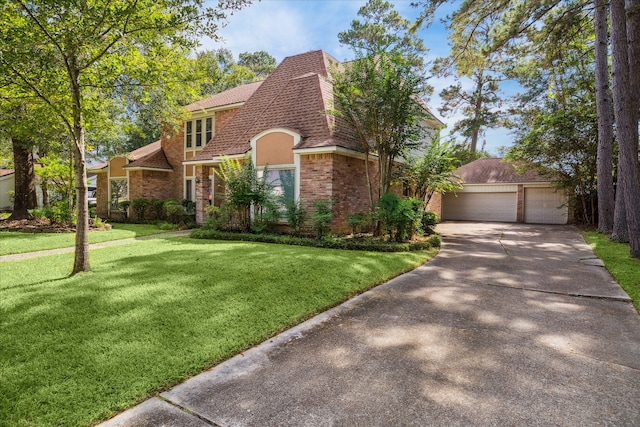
{"points": [[12, 242], [623, 268], [76, 350]]}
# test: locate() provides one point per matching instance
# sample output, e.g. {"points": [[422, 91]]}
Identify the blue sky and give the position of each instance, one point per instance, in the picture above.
{"points": [[289, 27]]}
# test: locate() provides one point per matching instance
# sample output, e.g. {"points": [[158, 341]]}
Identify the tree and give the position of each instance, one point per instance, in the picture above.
{"points": [[70, 54], [432, 173], [606, 202], [260, 62], [471, 58], [625, 106], [378, 94]]}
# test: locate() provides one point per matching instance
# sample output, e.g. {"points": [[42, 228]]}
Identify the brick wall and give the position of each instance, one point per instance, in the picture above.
{"points": [[520, 204], [435, 204], [202, 192], [338, 178], [351, 189], [315, 179], [173, 147]]}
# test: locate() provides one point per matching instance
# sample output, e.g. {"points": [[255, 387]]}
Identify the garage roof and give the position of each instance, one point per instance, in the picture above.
{"points": [[494, 171]]}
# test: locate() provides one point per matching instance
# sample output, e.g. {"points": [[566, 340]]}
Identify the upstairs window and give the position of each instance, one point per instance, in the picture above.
{"points": [[188, 134], [198, 133], [209, 130]]}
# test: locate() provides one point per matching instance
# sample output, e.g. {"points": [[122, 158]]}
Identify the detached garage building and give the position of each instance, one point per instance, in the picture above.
{"points": [[494, 191]]}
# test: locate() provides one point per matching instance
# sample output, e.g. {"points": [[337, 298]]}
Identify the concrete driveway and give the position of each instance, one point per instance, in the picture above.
{"points": [[510, 324]]}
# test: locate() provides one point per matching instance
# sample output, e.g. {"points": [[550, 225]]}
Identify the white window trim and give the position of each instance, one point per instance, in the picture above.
{"points": [[192, 181], [296, 157]]}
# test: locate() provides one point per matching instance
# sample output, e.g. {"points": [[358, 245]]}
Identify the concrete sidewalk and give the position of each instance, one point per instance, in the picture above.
{"points": [[36, 254], [509, 325]]}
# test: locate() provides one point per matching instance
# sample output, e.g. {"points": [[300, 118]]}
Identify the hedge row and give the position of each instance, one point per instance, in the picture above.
{"points": [[329, 243]]}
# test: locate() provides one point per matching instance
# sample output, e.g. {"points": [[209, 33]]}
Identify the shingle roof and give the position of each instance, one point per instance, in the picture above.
{"points": [[295, 96], [228, 97], [146, 151], [154, 157], [494, 171], [5, 172]]}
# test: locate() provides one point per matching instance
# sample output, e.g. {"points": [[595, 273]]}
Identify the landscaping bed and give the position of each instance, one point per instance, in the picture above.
{"points": [[350, 242]]}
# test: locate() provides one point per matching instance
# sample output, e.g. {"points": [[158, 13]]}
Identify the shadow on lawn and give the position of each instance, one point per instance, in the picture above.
{"points": [[152, 314]]}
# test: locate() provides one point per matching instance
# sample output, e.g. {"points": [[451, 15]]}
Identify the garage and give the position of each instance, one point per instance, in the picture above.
{"points": [[543, 205], [498, 206], [495, 190]]}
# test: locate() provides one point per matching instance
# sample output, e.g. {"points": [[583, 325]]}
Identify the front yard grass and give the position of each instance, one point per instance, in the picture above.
{"points": [[623, 268], [13, 242], [77, 350]]}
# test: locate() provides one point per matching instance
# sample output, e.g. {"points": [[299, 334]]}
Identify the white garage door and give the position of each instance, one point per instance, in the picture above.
{"points": [[501, 207], [544, 206]]}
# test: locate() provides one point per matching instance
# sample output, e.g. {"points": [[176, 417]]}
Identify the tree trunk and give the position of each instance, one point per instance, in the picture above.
{"points": [[604, 108], [625, 107], [477, 113], [25, 186], [81, 259], [620, 232]]}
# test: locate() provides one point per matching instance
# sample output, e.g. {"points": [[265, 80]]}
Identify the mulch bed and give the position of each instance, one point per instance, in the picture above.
{"points": [[35, 226]]}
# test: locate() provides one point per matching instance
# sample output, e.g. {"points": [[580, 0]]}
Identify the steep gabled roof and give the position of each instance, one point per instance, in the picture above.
{"points": [[295, 96], [495, 171], [153, 159], [232, 96], [134, 155]]}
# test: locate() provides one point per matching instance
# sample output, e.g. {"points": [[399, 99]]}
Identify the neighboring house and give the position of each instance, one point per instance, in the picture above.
{"points": [[281, 123], [495, 191], [7, 186]]}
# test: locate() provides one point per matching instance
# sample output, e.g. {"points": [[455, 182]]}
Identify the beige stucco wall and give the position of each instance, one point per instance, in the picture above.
{"points": [[275, 148]]}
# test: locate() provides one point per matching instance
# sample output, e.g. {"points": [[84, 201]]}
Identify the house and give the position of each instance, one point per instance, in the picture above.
{"points": [[493, 190], [156, 171], [280, 124], [7, 186]]}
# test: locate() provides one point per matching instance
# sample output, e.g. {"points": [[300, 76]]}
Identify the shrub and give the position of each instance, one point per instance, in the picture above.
{"points": [[429, 220], [296, 216], [139, 207], [57, 212], [124, 208], [435, 240], [328, 243], [358, 221], [167, 227], [321, 218], [399, 217], [157, 206], [212, 222], [174, 211], [189, 207], [244, 190]]}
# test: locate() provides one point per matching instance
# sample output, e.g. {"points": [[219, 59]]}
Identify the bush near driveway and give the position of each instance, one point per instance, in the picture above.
{"points": [[77, 350]]}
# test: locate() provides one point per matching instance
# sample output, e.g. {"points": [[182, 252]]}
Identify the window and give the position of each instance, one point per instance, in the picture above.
{"points": [[188, 189], [283, 182], [198, 133], [118, 190], [188, 133], [209, 130]]}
